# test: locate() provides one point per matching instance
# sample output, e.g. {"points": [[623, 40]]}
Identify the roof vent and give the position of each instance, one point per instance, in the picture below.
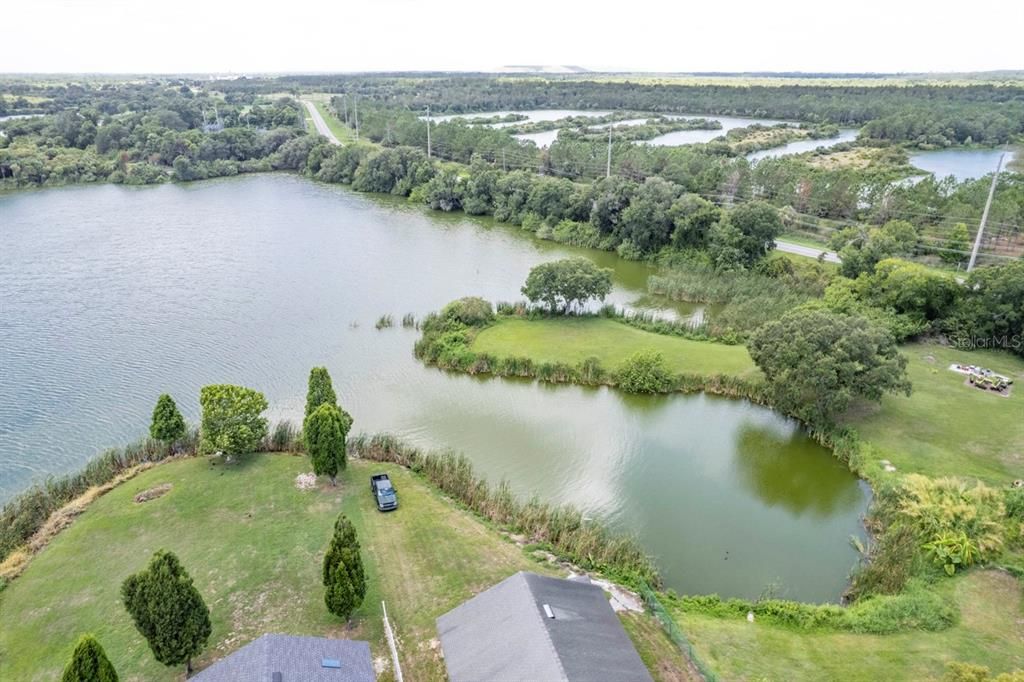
{"points": [[548, 612], [275, 677], [330, 663]]}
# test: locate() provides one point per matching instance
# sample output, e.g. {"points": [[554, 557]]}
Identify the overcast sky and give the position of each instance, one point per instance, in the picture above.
{"points": [[143, 36]]}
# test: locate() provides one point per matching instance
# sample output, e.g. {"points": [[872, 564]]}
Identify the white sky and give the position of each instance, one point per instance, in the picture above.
{"points": [[144, 36]]}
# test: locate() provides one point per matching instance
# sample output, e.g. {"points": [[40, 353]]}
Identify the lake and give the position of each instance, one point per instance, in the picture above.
{"points": [[962, 164], [112, 295]]}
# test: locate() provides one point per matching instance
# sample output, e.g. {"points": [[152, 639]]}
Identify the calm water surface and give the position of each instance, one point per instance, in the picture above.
{"points": [[112, 295], [962, 164]]}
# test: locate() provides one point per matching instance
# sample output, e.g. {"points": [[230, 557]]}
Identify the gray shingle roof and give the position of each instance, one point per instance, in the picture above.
{"points": [[298, 659], [504, 635]]}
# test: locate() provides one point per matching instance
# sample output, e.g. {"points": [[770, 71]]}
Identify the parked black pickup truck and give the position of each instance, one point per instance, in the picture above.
{"points": [[383, 492]]}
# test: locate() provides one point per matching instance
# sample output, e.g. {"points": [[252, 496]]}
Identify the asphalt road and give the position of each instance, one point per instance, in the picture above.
{"points": [[809, 251], [320, 123]]}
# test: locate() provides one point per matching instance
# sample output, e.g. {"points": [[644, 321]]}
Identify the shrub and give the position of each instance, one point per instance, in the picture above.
{"points": [[916, 608], [955, 522], [471, 311], [89, 663], [168, 425], [644, 372]]}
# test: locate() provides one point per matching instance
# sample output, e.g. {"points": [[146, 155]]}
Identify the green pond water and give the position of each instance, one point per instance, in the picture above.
{"points": [[112, 295]]}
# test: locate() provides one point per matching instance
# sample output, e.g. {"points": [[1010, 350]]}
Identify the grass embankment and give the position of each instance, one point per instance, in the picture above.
{"points": [[573, 339], [253, 544], [989, 633]]}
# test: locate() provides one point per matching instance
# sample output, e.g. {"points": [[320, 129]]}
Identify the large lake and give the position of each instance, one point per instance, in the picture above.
{"points": [[111, 295]]}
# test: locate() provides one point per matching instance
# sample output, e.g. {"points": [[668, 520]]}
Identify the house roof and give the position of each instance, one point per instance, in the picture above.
{"points": [[298, 659], [505, 634]]}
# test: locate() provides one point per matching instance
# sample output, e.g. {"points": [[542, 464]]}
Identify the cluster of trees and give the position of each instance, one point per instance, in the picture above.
{"points": [[162, 600], [714, 170], [637, 218], [142, 133], [325, 427]]}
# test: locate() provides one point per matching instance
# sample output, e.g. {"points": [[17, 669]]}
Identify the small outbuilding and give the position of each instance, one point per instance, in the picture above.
{"points": [[286, 658], [532, 627]]}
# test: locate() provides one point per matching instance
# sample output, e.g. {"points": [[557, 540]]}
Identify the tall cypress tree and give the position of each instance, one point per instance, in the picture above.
{"points": [[168, 610], [89, 663], [324, 432], [168, 425], [343, 574], [320, 391]]}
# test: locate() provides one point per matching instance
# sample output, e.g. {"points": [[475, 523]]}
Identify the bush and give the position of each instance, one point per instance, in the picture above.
{"points": [[471, 311], [956, 523], [644, 372], [915, 609]]}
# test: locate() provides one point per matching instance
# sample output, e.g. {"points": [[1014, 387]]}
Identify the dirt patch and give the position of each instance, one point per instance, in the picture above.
{"points": [[305, 481], [153, 493]]}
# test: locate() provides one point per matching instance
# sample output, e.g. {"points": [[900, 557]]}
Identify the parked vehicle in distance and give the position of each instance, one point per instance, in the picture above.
{"points": [[383, 492]]}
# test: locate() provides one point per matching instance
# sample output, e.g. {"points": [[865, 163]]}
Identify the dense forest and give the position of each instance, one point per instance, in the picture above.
{"points": [[137, 133], [926, 115]]}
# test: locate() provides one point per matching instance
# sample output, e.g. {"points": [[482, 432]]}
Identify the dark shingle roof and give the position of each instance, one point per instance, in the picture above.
{"points": [[298, 659], [504, 635]]}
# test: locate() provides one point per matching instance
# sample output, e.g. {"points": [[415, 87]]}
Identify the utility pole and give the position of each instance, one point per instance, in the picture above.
{"points": [[984, 214], [428, 131], [608, 168], [355, 106]]}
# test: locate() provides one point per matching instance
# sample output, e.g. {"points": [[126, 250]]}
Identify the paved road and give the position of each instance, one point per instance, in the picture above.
{"points": [[320, 123], [809, 251]]}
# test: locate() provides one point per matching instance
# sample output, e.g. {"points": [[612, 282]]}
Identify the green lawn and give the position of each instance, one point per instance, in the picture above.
{"points": [[990, 633], [572, 339], [253, 543], [946, 428]]}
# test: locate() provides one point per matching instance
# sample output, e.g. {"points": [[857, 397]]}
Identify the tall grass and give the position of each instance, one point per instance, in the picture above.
{"points": [[385, 322], [587, 543], [750, 298]]}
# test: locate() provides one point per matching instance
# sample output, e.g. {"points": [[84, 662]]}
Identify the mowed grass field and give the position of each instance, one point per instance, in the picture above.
{"points": [[253, 543], [946, 428], [990, 633], [573, 339]]}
